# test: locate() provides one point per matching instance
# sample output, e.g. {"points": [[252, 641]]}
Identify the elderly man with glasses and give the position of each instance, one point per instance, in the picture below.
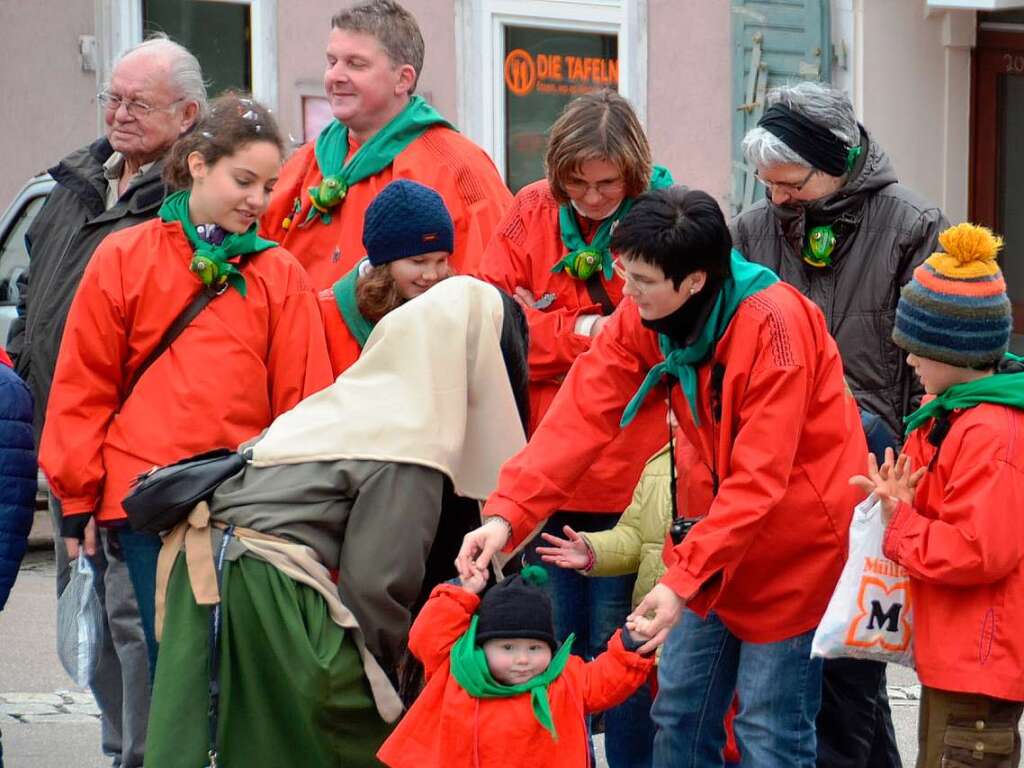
{"points": [[837, 225], [155, 94]]}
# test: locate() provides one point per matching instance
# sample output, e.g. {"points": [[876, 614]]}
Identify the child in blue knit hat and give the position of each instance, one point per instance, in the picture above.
{"points": [[409, 237], [954, 499]]}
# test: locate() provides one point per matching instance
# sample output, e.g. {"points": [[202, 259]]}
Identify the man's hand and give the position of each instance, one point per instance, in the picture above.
{"points": [[479, 546], [893, 482], [570, 552], [88, 544], [666, 607]]}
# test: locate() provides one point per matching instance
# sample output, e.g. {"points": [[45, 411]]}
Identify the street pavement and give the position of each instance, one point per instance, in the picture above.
{"points": [[49, 723]]}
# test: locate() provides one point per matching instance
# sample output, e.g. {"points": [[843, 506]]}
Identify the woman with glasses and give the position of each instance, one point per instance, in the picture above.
{"points": [[552, 253]]}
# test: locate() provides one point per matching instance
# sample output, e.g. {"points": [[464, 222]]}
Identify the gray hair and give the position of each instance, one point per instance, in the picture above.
{"points": [[817, 102], [392, 25], [186, 73]]}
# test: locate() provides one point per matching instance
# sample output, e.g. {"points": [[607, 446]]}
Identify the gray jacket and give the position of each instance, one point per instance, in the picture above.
{"points": [[60, 243], [884, 231], [371, 521]]}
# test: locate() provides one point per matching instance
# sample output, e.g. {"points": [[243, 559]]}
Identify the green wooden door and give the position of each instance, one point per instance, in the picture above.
{"points": [[774, 42]]}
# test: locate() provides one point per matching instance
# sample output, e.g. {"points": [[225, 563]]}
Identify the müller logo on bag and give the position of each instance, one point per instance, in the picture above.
{"points": [[884, 604]]}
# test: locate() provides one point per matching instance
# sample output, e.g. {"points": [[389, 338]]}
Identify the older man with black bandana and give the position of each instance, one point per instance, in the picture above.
{"points": [[837, 225]]}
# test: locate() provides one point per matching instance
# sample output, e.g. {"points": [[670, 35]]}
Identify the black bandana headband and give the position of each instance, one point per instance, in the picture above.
{"points": [[814, 143]]}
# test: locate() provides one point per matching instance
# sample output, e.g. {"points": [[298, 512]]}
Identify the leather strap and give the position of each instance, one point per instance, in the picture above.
{"points": [[598, 294], [181, 322]]}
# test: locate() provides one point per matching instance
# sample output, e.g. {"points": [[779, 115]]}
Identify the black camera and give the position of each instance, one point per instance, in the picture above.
{"points": [[680, 527]]}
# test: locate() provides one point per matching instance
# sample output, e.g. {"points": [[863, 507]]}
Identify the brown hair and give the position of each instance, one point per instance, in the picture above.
{"points": [[600, 125], [232, 121], [393, 26], [377, 292]]}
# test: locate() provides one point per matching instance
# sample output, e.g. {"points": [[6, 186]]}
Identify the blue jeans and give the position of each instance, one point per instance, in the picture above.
{"points": [[593, 608], [779, 688], [141, 551]]}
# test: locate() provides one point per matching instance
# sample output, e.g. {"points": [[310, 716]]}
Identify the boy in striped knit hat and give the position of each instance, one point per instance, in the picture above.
{"points": [[954, 503]]}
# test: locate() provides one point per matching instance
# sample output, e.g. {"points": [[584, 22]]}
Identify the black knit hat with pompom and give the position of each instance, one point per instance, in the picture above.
{"points": [[519, 606]]}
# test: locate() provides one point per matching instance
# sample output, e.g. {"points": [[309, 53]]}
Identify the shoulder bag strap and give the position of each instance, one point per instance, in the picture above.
{"points": [[181, 322]]}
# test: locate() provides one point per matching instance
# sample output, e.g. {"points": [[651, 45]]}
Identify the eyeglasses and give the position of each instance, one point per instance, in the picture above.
{"points": [[604, 188], [640, 285], [785, 186], [112, 102]]}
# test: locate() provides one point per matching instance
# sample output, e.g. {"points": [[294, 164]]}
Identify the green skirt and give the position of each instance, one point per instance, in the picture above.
{"points": [[292, 686]]}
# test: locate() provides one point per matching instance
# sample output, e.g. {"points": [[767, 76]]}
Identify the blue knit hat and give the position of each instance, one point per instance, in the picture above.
{"points": [[955, 309], [406, 219]]}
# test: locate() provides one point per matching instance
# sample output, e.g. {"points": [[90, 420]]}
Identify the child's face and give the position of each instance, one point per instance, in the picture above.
{"points": [[515, 660], [937, 377], [417, 274]]}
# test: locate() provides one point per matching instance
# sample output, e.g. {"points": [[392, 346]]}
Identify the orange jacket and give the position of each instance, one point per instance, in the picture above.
{"points": [[774, 540], [341, 344], [240, 363], [962, 542], [441, 158], [521, 254], [448, 727]]}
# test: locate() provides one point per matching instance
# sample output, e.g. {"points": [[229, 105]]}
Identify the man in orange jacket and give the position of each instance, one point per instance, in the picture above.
{"points": [[764, 403], [381, 131]]}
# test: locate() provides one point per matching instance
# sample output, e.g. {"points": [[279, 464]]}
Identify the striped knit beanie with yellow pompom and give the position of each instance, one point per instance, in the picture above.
{"points": [[955, 309]]}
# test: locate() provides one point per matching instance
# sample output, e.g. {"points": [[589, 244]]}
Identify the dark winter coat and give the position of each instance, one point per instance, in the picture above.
{"points": [[60, 243], [17, 475], [884, 230]]}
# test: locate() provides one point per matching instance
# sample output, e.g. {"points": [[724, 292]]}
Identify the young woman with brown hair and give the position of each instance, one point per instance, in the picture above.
{"points": [[253, 352]]}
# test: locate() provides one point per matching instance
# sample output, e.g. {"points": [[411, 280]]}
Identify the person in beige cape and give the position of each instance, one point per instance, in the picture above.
{"points": [[320, 542]]}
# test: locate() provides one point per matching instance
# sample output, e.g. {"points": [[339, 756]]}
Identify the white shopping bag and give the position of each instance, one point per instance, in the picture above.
{"points": [[870, 615], [80, 623]]}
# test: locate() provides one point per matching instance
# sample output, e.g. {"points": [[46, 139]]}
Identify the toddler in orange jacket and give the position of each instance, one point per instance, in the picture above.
{"points": [[499, 690], [953, 503]]}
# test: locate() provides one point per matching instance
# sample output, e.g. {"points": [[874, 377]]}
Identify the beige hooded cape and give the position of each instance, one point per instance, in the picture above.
{"points": [[417, 395]]}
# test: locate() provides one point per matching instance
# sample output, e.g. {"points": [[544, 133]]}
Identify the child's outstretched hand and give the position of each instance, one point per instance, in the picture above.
{"points": [[570, 552], [893, 482], [475, 583]]}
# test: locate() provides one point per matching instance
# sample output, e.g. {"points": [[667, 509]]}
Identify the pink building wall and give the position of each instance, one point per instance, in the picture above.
{"points": [[689, 91], [49, 103]]}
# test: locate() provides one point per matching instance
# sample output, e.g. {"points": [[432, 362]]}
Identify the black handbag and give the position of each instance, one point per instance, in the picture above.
{"points": [[163, 497]]}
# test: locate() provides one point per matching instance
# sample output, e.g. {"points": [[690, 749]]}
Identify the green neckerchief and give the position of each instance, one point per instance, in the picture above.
{"points": [[584, 259], [345, 295], [469, 666], [371, 158], [999, 388], [210, 262], [681, 362]]}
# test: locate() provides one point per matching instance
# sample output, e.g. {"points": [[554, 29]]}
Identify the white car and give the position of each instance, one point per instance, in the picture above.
{"points": [[14, 223]]}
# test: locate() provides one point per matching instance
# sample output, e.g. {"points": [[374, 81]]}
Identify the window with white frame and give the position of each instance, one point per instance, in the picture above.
{"points": [[521, 61], [234, 40]]}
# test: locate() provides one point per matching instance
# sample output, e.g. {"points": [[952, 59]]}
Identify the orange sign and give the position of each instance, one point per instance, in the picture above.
{"points": [[555, 73], [520, 72]]}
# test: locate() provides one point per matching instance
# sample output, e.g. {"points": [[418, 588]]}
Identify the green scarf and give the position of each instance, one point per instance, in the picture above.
{"points": [[469, 666], [371, 158], [745, 280], [211, 262], [345, 295], [583, 259], [999, 388]]}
